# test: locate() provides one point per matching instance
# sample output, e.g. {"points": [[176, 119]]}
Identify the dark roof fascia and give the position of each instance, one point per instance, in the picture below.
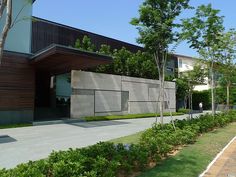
{"points": [[77, 29], [8, 52], [178, 55], [55, 48]]}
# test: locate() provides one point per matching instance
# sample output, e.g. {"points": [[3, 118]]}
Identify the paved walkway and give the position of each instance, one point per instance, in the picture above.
{"points": [[32, 143], [224, 165]]}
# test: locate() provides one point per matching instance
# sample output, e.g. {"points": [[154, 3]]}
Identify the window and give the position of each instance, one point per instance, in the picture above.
{"points": [[180, 63]]}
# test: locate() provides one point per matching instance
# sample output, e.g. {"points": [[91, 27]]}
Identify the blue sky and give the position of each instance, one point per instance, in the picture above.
{"points": [[111, 18]]}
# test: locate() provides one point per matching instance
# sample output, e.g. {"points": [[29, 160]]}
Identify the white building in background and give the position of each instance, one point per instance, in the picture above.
{"points": [[186, 63]]}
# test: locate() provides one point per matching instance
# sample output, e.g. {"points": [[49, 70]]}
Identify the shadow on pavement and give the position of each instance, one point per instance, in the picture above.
{"points": [[6, 139], [97, 123]]}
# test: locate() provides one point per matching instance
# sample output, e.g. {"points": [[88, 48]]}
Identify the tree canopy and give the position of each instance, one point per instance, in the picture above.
{"points": [[156, 25], [139, 64], [202, 32]]}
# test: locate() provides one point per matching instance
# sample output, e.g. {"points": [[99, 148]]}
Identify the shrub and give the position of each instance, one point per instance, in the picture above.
{"points": [[4, 173], [106, 159], [138, 156], [69, 168], [188, 135], [32, 169], [183, 110]]}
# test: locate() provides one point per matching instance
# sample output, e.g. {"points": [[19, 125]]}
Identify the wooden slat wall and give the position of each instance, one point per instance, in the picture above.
{"points": [[45, 33], [17, 85]]}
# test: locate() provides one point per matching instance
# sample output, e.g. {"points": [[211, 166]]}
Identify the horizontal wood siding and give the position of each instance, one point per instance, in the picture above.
{"points": [[17, 80], [45, 33]]}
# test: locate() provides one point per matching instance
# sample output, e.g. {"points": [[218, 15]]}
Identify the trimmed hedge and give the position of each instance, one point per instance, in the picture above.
{"points": [[202, 96], [130, 116], [107, 159], [183, 110]]}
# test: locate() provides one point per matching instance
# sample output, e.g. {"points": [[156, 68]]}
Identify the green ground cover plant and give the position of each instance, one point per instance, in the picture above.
{"points": [[107, 159], [129, 116], [193, 159], [14, 126], [183, 110]]}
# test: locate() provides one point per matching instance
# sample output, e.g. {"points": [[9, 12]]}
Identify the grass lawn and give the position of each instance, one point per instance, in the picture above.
{"points": [[14, 126], [193, 159], [128, 139], [129, 116]]}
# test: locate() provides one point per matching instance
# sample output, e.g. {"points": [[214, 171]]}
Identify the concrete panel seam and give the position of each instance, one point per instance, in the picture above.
{"points": [[82, 91], [108, 111], [138, 82], [143, 101]]}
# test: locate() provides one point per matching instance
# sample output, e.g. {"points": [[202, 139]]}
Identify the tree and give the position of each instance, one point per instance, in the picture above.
{"points": [[227, 56], [5, 5], [202, 33], [182, 91], [85, 44], [6, 17], [156, 25], [119, 60], [107, 68], [193, 77], [139, 64]]}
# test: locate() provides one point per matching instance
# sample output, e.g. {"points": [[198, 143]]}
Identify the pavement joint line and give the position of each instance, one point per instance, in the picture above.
{"points": [[217, 157]]}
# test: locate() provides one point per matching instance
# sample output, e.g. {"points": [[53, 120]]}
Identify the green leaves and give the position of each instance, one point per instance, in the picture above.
{"points": [[157, 30], [139, 64], [156, 23], [182, 89], [85, 44], [106, 159], [202, 30]]}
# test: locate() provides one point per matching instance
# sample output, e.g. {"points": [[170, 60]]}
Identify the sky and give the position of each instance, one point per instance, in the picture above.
{"points": [[111, 17]]}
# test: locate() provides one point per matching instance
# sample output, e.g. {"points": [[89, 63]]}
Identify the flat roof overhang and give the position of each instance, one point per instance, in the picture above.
{"points": [[58, 59]]}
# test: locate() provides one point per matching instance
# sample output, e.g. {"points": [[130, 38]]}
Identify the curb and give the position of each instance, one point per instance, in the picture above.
{"points": [[217, 157]]}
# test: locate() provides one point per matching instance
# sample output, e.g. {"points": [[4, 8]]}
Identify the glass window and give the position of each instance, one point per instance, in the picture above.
{"points": [[180, 63]]}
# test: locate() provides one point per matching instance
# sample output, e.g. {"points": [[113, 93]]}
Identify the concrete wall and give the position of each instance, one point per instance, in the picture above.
{"points": [[96, 94], [19, 36]]}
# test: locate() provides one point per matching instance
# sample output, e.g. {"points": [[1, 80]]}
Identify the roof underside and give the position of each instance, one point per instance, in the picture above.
{"points": [[58, 59]]}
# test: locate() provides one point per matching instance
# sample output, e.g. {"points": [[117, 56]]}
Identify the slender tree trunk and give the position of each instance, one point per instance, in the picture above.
{"points": [[3, 4], [212, 90], [228, 90], [162, 85], [185, 102], [189, 105], [160, 59], [190, 100], [191, 95], [6, 27], [168, 105]]}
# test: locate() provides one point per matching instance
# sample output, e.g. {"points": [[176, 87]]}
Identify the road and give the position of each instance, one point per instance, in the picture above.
{"points": [[20, 145]]}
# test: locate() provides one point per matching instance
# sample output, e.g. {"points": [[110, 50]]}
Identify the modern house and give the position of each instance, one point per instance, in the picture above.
{"points": [[186, 63], [41, 77]]}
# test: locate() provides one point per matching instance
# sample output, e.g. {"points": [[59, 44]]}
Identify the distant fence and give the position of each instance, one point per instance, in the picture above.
{"points": [[223, 107]]}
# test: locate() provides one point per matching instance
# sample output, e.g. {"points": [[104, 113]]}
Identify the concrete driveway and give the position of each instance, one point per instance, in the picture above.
{"points": [[20, 145]]}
